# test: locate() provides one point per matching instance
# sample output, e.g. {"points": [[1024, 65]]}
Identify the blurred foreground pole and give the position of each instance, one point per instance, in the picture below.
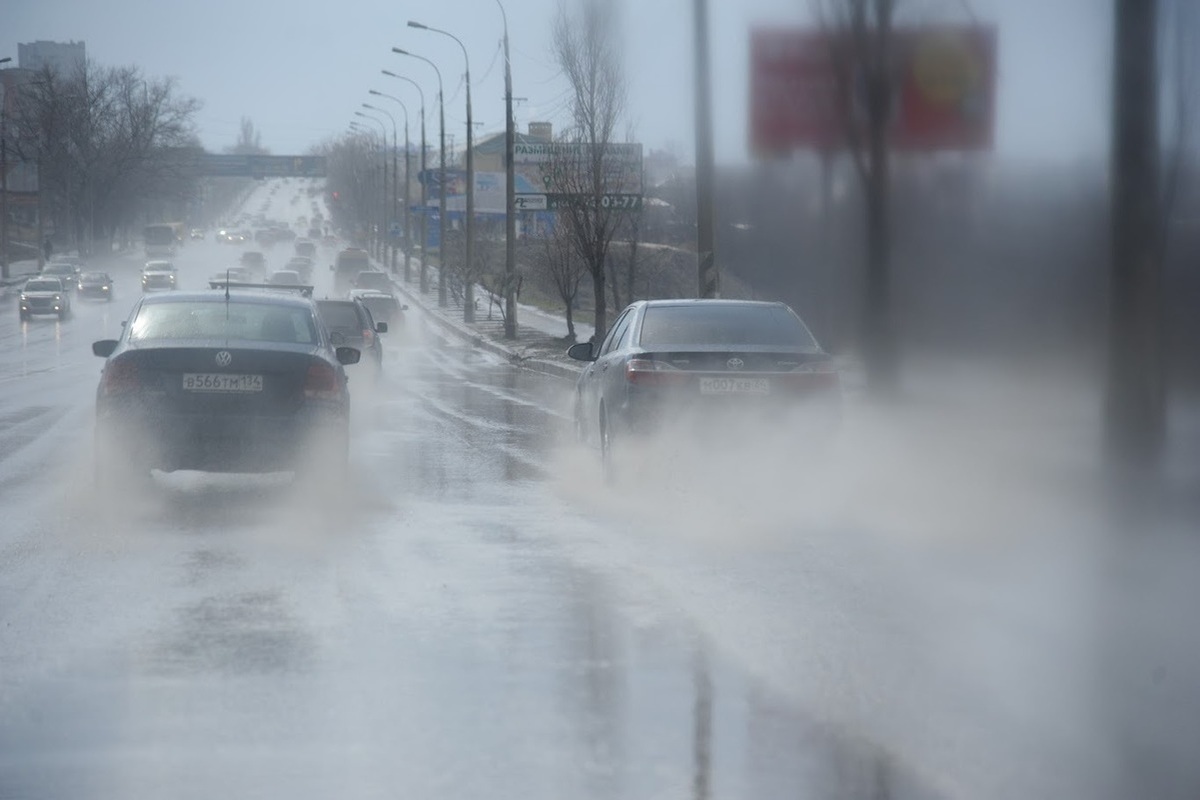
{"points": [[709, 284], [1135, 403], [510, 198]]}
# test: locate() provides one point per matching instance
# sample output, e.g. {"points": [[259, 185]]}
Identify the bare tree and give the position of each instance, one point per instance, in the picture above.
{"points": [[109, 144], [249, 141], [862, 34], [586, 46], [557, 258]]}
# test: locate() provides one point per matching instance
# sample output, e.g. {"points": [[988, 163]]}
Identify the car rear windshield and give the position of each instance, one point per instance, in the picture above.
{"points": [[373, 280], [734, 325], [43, 286], [94, 277], [354, 260], [340, 315], [381, 307], [59, 269], [260, 322]]}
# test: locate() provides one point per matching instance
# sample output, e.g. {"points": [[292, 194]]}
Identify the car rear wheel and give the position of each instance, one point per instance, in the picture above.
{"points": [[606, 449], [581, 436]]}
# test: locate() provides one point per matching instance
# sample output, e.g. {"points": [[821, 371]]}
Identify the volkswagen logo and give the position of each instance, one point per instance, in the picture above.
{"points": [[735, 363], [224, 358]]}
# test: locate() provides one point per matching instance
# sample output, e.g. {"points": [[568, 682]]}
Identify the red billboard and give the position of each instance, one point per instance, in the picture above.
{"points": [[944, 89]]}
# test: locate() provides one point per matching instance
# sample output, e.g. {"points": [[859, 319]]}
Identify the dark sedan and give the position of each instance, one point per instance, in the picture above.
{"points": [[95, 284], [350, 322], [664, 358], [221, 381]]}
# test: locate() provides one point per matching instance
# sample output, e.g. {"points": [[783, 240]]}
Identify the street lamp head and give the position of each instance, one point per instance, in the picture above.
{"points": [[389, 73], [5, 60], [401, 52], [372, 91], [359, 114], [414, 24], [368, 105]]}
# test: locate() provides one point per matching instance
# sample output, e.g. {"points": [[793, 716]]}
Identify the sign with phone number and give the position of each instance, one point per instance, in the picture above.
{"points": [[618, 202]]}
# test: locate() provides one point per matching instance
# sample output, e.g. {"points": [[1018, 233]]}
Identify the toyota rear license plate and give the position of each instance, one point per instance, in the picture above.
{"points": [[221, 382], [735, 386]]}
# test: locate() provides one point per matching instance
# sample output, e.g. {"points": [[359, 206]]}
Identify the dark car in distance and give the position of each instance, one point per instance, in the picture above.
{"points": [[347, 265], [373, 279], [96, 284], [384, 306], [226, 380], [664, 358], [66, 272], [350, 322]]}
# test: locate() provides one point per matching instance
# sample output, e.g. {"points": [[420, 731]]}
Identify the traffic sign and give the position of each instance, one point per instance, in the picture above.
{"points": [[530, 202]]}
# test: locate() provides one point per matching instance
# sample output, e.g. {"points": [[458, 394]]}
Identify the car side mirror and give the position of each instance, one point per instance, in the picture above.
{"points": [[348, 355], [381, 327], [105, 347], [581, 351]]}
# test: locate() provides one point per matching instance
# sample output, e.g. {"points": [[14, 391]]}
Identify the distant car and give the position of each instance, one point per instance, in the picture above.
{"points": [[285, 277], [306, 247], [233, 275], [197, 234], [373, 279], [96, 284], [664, 358], [254, 261], [384, 306], [44, 295], [350, 322], [65, 272], [346, 267], [246, 380], [315, 232], [158, 275], [301, 264]]}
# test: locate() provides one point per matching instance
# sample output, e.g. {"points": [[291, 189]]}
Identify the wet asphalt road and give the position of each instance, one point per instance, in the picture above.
{"points": [[479, 616]]}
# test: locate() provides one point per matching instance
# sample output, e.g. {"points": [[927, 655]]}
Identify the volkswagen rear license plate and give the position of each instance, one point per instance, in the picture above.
{"points": [[221, 382], [735, 386]]}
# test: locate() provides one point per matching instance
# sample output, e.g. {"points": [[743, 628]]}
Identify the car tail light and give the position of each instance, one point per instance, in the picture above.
{"points": [[368, 335], [120, 377], [646, 372], [321, 381], [815, 375]]}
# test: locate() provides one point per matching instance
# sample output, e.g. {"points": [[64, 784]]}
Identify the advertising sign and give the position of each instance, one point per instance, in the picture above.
{"points": [[944, 89], [538, 187]]}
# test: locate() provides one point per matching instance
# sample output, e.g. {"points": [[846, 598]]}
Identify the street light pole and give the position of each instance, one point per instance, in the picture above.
{"points": [[395, 177], [4, 179], [407, 190], [424, 192], [442, 294], [510, 197], [469, 271], [708, 278]]}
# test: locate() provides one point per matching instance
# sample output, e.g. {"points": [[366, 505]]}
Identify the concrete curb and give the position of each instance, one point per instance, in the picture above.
{"points": [[462, 331]]}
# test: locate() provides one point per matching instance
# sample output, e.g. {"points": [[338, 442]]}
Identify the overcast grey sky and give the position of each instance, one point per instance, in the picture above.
{"points": [[300, 69]]}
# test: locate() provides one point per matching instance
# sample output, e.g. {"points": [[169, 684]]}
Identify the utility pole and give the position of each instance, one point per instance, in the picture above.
{"points": [[510, 196], [4, 177], [709, 284], [1135, 413], [4, 190]]}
